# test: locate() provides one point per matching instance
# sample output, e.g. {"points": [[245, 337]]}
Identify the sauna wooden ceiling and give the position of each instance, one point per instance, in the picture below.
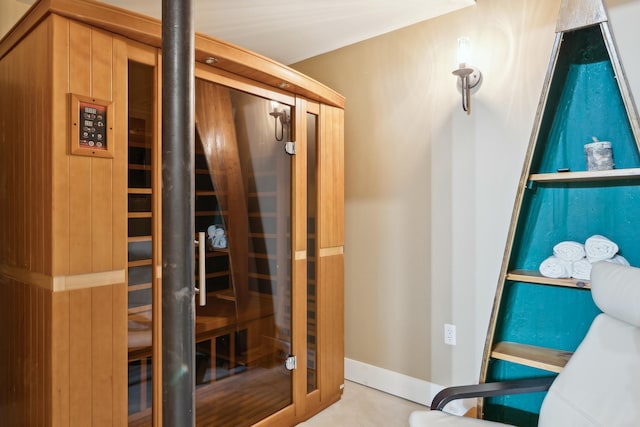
{"points": [[292, 30]]}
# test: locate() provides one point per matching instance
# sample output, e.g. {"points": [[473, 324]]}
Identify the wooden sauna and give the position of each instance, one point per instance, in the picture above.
{"points": [[80, 223]]}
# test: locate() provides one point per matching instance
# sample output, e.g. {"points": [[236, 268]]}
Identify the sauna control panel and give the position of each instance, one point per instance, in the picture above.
{"points": [[91, 126], [93, 131]]}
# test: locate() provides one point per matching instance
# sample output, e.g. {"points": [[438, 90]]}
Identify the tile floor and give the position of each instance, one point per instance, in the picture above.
{"points": [[363, 406]]}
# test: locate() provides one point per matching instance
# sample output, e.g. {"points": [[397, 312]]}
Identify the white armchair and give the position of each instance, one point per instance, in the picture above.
{"points": [[600, 385]]}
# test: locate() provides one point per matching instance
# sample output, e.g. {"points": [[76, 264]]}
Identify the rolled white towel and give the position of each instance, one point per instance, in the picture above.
{"points": [[599, 248], [556, 268], [618, 259], [569, 251], [582, 269]]}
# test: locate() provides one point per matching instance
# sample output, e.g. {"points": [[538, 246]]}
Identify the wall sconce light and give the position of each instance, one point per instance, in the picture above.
{"points": [[281, 116], [468, 76]]}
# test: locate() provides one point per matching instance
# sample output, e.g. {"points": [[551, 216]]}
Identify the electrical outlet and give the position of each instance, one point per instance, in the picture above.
{"points": [[449, 334]]}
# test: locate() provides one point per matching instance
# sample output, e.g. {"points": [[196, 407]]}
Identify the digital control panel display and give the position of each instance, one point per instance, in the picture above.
{"points": [[93, 126]]}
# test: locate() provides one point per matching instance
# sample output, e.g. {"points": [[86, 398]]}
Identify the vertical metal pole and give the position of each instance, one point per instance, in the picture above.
{"points": [[178, 353]]}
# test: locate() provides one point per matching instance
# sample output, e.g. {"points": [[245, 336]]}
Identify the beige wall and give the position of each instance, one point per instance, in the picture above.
{"points": [[429, 190], [10, 12]]}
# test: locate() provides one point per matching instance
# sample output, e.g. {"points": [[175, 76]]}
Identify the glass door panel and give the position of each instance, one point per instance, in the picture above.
{"points": [[243, 207], [312, 203], [140, 240]]}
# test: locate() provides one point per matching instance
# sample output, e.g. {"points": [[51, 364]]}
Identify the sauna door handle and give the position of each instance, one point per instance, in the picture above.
{"points": [[202, 272]]}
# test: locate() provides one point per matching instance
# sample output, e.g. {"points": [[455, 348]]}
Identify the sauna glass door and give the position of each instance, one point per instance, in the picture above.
{"points": [[242, 209]]}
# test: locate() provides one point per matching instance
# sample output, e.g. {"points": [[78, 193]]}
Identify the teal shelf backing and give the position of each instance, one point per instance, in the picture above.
{"points": [[545, 316], [584, 101], [555, 212], [520, 410]]}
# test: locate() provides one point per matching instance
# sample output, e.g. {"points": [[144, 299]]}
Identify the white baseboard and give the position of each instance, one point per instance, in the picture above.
{"points": [[404, 386]]}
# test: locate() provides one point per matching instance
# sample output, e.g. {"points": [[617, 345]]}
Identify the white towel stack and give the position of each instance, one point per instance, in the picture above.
{"points": [[599, 248], [556, 268], [569, 251], [573, 259]]}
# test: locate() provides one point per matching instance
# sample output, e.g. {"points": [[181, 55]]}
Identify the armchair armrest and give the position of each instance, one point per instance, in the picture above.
{"points": [[501, 388]]}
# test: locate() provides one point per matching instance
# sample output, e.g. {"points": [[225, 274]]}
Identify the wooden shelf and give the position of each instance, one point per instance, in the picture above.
{"points": [[262, 276], [226, 295], [612, 174], [262, 214], [215, 274], [139, 263], [264, 235], [134, 166], [139, 215], [140, 309], [134, 239], [206, 193], [140, 144], [216, 253], [531, 276], [547, 359], [139, 191], [140, 287], [207, 213]]}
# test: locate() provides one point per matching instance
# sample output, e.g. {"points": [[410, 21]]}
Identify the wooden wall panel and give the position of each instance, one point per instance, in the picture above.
{"points": [[101, 48], [101, 361], [89, 353], [86, 184], [25, 230], [330, 290], [59, 146], [25, 370], [60, 362], [331, 177], [80, 353], [80, 182], [80, 215], [24, 167]]}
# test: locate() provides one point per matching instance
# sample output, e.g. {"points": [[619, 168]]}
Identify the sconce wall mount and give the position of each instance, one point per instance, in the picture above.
{"points": [[284, 118], [469, 77]]}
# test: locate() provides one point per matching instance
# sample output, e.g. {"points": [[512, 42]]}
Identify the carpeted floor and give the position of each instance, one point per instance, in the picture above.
{"points": [[362, 406]]}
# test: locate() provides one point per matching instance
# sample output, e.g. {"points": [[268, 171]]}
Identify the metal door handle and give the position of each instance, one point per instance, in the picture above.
{"points": [[202, 273]]}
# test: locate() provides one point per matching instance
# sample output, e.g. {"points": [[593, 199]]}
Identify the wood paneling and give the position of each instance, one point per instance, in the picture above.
{"points": [[60, 363], [102, 361], [331, 177], [59, 145], [63, 226], [330, 326], [25, 369], [80, 353], [24, 165], [90, 186]]}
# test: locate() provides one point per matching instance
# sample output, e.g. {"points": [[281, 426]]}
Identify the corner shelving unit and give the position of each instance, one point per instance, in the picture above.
{"points": [[537, 322]]}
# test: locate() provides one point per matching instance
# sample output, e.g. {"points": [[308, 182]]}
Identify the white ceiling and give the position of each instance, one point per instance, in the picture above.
{"points": [[292, 30]]}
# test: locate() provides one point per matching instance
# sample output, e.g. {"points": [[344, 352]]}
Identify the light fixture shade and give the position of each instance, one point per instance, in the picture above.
{"points": [[464, 51]]}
